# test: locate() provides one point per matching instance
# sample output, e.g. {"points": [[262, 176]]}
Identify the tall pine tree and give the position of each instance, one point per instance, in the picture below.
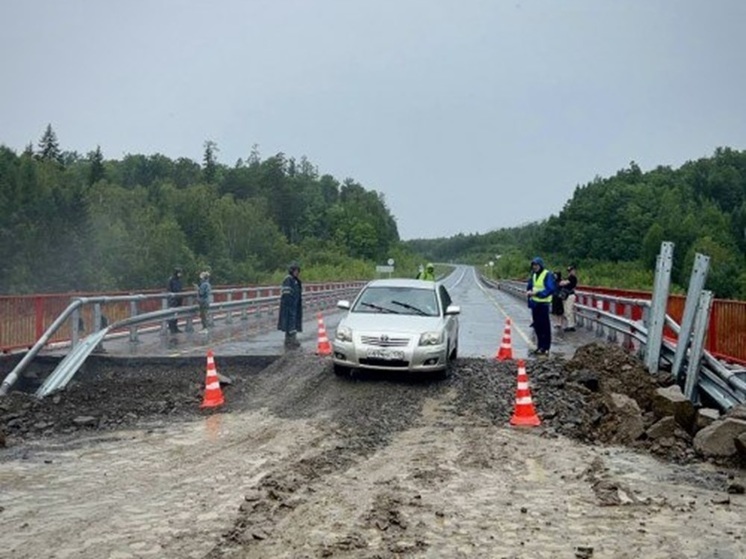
{"points": [[97, 171], [209, 162], [49, 147]]}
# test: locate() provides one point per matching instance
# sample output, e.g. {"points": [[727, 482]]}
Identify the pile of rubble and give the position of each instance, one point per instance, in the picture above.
{"points": [[602, 395], [650, 412]]}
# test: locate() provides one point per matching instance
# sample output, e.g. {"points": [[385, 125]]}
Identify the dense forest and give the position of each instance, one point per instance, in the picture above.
{"points": [[71, 222], [612, 228]]}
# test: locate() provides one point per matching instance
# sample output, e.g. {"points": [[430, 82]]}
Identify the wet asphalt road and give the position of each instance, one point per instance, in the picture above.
{"points": [[484, 311]]}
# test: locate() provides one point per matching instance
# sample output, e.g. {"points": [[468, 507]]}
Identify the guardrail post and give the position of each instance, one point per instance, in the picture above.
{"points": [[658, 304], [704, 307], [245, 308], [627, 342], [97, 323], [611, 334], [259, 308], [75, 327], [164, 324], [133, 329], [696, 284], [599, 325], [229, 310]]}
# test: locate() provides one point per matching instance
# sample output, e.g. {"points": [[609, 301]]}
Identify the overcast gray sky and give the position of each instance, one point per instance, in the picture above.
{"points": [[468, 115]]}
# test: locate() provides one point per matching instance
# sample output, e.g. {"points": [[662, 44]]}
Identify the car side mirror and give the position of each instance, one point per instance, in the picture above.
{"points": [[343, 304], [453, 309]]}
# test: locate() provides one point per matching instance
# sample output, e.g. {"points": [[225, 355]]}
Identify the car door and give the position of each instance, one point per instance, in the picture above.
{"points": [[451, 320]]}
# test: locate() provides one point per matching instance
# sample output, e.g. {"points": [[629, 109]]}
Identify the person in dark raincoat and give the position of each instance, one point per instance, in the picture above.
{"points": [[175, 298], [290, 320]]}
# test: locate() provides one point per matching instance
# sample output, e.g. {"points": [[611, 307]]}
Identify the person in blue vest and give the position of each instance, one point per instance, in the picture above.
{"points": [[290, 320], [539, 291]]}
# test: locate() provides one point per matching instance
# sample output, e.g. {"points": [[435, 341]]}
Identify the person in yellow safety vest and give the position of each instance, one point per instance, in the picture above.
{"points": [[428, 273], [541, 286]]}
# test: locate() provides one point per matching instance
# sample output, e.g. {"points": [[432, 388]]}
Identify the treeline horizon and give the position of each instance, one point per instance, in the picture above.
{"points": [[612, 229], [77, 223]]}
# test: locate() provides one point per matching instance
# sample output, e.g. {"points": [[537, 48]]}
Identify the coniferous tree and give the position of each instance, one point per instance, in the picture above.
{"points": [[209, 162], [97, 171], [49, 147]]}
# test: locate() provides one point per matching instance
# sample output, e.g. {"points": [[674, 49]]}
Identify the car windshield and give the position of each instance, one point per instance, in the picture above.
{"points": [[397, 300]]}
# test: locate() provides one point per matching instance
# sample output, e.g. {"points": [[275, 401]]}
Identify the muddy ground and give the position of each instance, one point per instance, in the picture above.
{"points": [[301, 463]]}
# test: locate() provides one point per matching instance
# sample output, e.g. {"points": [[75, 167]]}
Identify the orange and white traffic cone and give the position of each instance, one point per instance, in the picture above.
{"points": [[213, 393], [525, 413], [506, 349], [324, 347]]}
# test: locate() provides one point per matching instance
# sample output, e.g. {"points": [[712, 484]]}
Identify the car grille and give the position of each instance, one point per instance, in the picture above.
{"points": [[388, 363], [387, 342]]}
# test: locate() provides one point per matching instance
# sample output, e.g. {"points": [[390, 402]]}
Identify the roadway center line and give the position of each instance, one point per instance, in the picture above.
{"points": [[499, 307]]}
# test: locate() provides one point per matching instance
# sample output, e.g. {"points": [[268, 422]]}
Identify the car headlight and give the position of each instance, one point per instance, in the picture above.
{"points": [[432, 338], [344, 334]]}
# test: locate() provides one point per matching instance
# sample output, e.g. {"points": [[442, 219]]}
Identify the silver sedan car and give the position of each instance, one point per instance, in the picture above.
{"points": [[397, 324]]}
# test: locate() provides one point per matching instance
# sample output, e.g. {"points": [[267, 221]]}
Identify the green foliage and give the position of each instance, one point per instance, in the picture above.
{"points": [[97, 171], [613, 228], [95, 224], [49, 147]]}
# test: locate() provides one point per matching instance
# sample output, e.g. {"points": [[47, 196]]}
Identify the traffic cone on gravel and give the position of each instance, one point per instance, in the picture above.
{"points": [[324, 347], [506, 350], [213, 393], [525, 413]]}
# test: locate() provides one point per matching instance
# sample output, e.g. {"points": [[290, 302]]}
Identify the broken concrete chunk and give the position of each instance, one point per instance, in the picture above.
{"points": [[706, 416], [719, 438], [671, 401], [666, 427]]}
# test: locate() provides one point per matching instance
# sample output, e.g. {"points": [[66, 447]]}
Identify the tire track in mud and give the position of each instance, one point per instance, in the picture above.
{"points": [[378, 466], [361, 415]]}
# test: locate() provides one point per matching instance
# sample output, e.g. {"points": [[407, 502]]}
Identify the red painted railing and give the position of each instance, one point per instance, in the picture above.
{"points": [[726, 333], [25, 318]]}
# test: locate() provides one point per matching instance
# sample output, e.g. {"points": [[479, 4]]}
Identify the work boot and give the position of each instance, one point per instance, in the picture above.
{"points": [[291, 341]]}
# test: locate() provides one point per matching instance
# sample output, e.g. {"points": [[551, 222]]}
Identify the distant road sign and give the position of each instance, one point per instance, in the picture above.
{"points": [[390, 262], [384, 269]]}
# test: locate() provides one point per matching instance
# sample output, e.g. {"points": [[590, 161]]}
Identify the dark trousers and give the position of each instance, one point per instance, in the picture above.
{"points": [[173, 324], [542, 326]]}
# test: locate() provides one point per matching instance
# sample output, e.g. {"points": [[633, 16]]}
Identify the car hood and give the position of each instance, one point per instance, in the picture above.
{"points": [[361, 322]]}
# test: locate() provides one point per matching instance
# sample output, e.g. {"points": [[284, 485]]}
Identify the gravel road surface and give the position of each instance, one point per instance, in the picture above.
{"points": [[302, 464]]}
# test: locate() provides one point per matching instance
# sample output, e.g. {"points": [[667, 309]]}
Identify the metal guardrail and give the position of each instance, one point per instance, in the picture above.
{"points": [[247, 305], [724, 384]]}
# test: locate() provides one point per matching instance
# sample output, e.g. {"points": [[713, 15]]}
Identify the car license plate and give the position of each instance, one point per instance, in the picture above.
{"points": [[387, 354]]}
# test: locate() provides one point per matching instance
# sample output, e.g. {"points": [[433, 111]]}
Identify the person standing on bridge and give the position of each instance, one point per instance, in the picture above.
{"points": [[174, 299], [568, 285], [558, 304], [428, 274], [204, 298], [539, 292], [290, 320]]}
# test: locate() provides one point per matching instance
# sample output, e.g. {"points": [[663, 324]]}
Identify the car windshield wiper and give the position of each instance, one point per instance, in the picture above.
{"points": [[411, 308], [379, 308]]}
